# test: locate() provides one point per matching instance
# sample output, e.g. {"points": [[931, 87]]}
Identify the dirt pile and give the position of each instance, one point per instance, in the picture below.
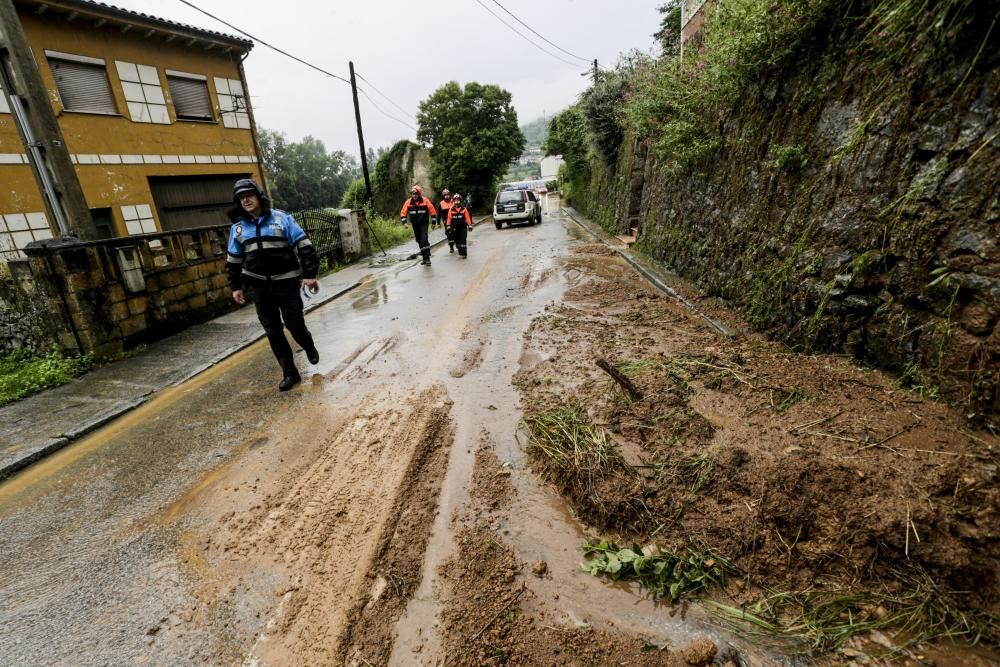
{"points": [[807, 472]]}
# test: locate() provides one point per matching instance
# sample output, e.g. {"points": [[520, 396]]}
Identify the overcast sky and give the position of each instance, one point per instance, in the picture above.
{"points": [[408, 49]]}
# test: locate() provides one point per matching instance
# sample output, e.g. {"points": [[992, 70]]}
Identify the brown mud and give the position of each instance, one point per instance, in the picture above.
{"points": [[806, 471]]}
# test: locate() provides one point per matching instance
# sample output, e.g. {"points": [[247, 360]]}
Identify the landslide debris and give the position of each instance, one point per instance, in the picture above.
{"points": [[839, 497]]}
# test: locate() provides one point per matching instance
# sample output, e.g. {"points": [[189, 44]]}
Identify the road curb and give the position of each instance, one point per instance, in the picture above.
{"points": [[652, 278], [54, 444]]}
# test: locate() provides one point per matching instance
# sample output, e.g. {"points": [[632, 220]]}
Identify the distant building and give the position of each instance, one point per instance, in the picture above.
{"points": [[155, 115], [550, 167]]}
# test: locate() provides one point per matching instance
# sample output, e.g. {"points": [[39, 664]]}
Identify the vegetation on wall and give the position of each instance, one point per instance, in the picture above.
{"points": [[473, 134], [390, 178]]}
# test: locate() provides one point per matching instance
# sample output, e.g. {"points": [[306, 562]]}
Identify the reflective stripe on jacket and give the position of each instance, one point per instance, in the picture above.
{"points": [[459, 213], [418, 210], [265, 249]]}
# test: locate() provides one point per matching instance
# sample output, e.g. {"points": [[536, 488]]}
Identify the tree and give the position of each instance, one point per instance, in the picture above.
{"points": [[669, 34], [302, 175], [473, 135]]}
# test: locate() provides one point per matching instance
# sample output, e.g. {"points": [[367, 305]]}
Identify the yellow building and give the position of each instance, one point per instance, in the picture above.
{"points": [[155, 116]]}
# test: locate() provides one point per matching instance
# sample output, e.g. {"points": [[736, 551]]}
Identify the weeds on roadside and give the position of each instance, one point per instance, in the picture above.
{"points": [[23, 373], [827, 620], [662, 573]]}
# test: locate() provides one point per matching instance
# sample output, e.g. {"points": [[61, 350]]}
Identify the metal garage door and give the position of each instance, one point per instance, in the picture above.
{"points": [[193, 201]]}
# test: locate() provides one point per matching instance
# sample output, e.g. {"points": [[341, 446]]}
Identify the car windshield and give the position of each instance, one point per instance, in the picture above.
{"points": [[508, 196]]}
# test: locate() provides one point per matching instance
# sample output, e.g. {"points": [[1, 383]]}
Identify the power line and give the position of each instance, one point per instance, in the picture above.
{"points": [[586, 60], [383, 111], [384, 95], [259, 40], [522, 36]]}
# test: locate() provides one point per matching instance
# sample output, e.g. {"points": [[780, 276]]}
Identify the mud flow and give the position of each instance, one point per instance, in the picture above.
{"points": [[426, 496]]}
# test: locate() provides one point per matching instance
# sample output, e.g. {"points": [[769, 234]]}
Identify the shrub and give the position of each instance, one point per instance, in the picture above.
{"points": [[23, 374], [355, 196]]}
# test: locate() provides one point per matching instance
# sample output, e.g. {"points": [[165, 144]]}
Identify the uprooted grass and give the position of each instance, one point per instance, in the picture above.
{"points": [[826, 620], [579, 458]]}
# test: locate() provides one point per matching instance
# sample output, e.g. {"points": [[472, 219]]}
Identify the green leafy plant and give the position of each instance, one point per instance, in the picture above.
{"points": [[791, 159], [23, 373], [662, 573]]}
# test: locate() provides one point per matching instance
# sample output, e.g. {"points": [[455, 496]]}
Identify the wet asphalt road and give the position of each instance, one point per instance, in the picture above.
{"points": [[92, 561]]}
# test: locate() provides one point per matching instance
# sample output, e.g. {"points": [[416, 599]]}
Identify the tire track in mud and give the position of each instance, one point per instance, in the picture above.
{"points": [[335, 528]]}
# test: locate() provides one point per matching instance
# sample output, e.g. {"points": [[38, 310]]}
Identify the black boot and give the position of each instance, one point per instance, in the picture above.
{"points": [[291, 377], [313, 356]]}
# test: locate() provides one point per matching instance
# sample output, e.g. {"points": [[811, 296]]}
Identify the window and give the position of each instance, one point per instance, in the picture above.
{"points": [[102, 222], [232, 103], [19, 229], [508, 196], [142, 89], [190, 95], [139, 219], [82, 83]]}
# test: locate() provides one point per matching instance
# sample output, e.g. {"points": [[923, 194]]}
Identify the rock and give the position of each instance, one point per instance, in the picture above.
{"points": [[699, 652], [539, 568], [978, 318]]}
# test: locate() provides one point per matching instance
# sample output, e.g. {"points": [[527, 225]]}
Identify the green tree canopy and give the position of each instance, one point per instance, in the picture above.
{"points": [[302, 175], [473, 135]]}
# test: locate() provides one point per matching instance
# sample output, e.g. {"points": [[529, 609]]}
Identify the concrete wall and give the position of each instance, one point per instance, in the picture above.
{"points": [[115, 155]]}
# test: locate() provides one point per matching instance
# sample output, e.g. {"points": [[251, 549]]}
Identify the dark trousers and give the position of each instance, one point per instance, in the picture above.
{"points": [[448, 234], [276, 302], [420, 234], [459, 234]]}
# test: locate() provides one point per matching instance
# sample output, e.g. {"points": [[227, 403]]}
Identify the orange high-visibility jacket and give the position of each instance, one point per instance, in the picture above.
{"points": [[419, 210], [443, 207], [459, 213]]}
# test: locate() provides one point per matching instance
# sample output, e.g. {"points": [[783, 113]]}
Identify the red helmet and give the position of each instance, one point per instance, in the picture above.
{"points": [[445, 192], [416, 190], [456, 197]]}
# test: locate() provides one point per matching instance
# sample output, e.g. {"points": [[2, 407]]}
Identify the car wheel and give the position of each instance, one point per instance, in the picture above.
{"points": [[499, 225]]}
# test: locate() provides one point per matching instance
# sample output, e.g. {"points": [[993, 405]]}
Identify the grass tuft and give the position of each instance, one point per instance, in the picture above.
{"points": [[23, 373]]}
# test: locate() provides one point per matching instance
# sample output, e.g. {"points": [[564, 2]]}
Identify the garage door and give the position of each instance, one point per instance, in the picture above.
{"points": [[184, 202]]}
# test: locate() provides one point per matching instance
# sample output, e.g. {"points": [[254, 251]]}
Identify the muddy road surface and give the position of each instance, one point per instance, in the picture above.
{"points": [[225, 523], [392, 510]]}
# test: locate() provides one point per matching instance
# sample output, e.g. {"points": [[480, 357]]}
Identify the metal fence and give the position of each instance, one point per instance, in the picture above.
{"points": [[323, 227]]}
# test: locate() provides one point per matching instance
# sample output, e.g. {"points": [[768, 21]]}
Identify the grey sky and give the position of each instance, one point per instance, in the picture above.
{"points": [[409, 49]]}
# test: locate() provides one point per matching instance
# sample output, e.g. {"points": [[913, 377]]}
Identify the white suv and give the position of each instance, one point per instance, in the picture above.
{"points": [[512, 206]]}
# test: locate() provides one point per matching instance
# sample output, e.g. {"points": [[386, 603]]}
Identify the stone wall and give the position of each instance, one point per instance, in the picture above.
{"points": [[126, 291], [843, 216], [25, 320]]}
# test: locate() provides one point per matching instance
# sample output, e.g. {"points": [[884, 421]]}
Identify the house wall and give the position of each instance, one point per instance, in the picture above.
{"points": [[114, 154]]}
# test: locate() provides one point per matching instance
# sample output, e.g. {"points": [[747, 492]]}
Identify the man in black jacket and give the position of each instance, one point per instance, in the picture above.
{"points": [[262, 258]]}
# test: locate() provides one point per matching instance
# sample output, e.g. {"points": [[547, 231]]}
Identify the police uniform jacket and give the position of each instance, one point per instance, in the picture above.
{"points": [[264, 250]]}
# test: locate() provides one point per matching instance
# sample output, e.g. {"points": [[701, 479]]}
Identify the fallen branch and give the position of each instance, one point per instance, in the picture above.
{"points": [[815, 422], [499, 613], [619, 377]]}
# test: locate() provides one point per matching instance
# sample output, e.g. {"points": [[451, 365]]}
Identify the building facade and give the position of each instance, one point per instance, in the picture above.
{"points": [[155, 116]]}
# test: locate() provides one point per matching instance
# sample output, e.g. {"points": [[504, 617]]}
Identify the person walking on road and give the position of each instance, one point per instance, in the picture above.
{"points": [[459, 224], [442, 216], [261, 260], [418, 211]]}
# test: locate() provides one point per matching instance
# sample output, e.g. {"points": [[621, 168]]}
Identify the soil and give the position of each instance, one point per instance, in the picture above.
{"points": [[805, 471], [491, 615]]}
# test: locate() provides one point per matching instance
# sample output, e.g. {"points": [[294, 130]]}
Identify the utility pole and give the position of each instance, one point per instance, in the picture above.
{"points": [[595, 71], [39, 130], [364, 157], [361, 136]]}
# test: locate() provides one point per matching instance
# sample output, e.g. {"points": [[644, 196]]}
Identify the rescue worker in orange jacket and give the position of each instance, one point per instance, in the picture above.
{"points": [[419, 211], [459, 224], [442, 217]]}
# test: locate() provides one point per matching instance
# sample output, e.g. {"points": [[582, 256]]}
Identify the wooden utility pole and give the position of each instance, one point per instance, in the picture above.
{"points": [[361, 136], [39, 130]]}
